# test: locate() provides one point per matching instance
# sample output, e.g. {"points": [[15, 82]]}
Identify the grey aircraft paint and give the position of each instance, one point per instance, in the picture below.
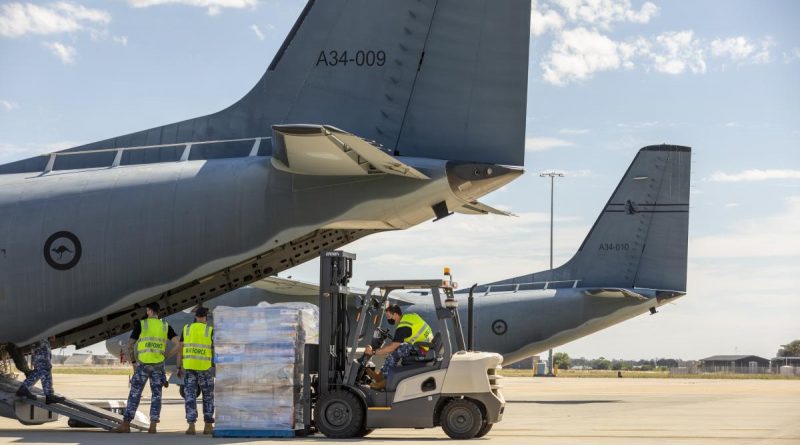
{"points": [[185, 212], [630, 262]]}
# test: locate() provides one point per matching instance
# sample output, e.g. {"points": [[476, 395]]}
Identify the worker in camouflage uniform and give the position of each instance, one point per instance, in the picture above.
{"points": [[151, 336], [42, 366], [195, 361], [410, 338]]}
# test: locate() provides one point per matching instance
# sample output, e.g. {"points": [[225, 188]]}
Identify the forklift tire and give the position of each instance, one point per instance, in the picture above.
{"points": [[462, 419], [340, 415], [484, 429]]}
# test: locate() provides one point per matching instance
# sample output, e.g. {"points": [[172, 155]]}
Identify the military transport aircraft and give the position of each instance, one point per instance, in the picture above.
{"points": [[633, 260], [374, 115]]}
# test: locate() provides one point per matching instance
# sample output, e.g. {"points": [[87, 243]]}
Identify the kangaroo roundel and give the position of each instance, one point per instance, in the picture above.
{"points": [[62, 250]]}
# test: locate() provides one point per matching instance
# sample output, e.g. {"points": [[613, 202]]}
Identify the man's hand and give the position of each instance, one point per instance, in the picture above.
{"points": [[180, 372], [368, 351]]}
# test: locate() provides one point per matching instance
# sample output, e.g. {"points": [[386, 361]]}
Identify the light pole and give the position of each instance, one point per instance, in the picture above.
{"points": [[552, 175]]}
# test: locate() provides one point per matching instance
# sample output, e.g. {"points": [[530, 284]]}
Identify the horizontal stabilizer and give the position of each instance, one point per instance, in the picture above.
{"points": [[479, 208], [329, 151], [310, 292], [614, 293]]}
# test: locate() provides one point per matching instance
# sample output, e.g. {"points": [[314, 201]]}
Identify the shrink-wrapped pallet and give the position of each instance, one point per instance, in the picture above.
{"points": [[258, 356]]}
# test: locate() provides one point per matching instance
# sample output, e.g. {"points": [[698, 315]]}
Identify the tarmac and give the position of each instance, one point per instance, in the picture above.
{"points": [[539, 410]]}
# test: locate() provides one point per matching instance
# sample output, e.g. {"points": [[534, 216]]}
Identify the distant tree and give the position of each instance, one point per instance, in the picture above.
{"points": [[667, 363], [791, 349], [561, 360], [601, 363], [579, 362], [616, 365], [647, 367]]}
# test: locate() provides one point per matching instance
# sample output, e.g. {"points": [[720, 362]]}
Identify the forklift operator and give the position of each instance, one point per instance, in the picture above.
{"points": [[411, 329]]}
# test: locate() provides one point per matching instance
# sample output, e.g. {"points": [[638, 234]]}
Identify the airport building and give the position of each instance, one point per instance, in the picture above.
{"points": [[735, 364]]}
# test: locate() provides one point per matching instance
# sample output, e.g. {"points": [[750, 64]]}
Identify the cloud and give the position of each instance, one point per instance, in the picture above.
{"points": [[544, 19], [732, 205], [545, 143], [582, 45], [573, 130], [679, 51], [64, 52], [257, 32], [214, 6], [8, 105], [743, 50], [603, 13], [122, 40], [20, 19], [754, 175], [577, 54], [771, 237]]}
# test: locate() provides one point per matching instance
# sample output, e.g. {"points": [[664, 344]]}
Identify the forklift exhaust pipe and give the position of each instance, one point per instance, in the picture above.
{"points": [[470, 319]]}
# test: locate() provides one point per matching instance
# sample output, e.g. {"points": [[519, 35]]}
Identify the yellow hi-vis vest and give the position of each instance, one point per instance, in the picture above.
{"points": [[197, 351], [420, 331], [152, 341]]}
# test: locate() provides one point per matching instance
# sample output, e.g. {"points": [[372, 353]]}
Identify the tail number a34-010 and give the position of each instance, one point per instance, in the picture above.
{"points": [[368, 58], [614, 247]]}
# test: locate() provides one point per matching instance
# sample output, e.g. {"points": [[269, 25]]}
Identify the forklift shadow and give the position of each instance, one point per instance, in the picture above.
{"points": [[564, 402]]}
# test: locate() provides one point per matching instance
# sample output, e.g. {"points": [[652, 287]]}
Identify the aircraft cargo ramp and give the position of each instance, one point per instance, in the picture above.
{"points": [[34, 412]]}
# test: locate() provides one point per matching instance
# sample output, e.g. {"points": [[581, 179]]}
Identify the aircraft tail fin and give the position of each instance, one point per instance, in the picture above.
{"points": [[641, 237], [443, 79]]}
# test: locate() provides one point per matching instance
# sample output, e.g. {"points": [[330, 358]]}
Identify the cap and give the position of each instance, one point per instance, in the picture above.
{"points": [[201, 312]]}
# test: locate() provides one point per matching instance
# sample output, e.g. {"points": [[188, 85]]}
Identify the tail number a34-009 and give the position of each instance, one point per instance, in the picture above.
{"points": [[360, 57]]}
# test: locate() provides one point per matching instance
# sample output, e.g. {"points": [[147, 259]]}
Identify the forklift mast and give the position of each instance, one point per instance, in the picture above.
{"points": [[336, 269]]}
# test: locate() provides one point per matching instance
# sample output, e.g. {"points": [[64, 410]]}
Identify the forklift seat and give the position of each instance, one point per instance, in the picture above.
{"points": [[435, 349], [413, 365]]}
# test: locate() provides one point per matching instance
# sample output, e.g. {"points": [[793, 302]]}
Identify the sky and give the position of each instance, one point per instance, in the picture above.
{"points": [[606, 77]]}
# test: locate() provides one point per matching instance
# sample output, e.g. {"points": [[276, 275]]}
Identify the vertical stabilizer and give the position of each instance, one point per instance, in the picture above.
{"points": [[443, 79], [641, 237]]}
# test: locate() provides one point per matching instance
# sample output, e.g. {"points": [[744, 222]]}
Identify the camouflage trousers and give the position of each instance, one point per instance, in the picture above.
{"points": [[143, 373], [194, 382], [41, 371], [404, 350]]}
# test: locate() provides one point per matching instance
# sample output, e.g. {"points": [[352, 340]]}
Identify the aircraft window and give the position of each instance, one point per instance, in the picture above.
{"points": [[152, 155], [531, 286], [84, 160], [222, 150], [265, 149], [561, 284]]}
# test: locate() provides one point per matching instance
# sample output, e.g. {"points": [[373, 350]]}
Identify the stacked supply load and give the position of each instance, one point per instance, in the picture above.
{"points": [[258, 357]]}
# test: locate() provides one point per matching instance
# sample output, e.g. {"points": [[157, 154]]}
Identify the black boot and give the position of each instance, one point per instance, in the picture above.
{"points": [[23, 391], [53, 399]]}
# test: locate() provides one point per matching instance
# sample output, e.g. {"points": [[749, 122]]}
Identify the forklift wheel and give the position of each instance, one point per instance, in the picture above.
{"points": [[462, 419], [484, 429], [339, 415]]}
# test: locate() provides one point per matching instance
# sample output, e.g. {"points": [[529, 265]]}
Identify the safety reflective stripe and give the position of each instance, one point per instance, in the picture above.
{"points": [[425, 328], [196, 345], [197, 357], [151, 339]]}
